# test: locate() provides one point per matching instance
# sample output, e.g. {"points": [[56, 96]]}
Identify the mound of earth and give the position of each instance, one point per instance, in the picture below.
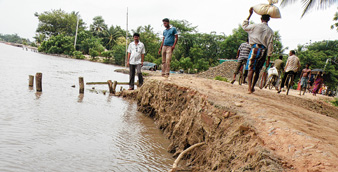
{"points": [[226, 70]]}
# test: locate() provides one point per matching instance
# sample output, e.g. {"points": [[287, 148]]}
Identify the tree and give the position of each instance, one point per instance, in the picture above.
{"points": [[309, 4], [229, 46], [14, 38], [150, 40], [59, 44], [55, 22], [335, 18], [278, 48], [110, 36], [322, 55], [39, 38], [98, 27]]}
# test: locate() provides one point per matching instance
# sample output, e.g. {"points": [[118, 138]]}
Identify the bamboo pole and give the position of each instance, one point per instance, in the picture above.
{"points": [[110, 86], [31, 80], [81, 83], [103, 83], [38, 80], [114, 87]]}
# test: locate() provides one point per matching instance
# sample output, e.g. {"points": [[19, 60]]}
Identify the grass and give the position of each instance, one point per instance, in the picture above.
{"points": [[335, 102], [145, 74], [219, 78]]}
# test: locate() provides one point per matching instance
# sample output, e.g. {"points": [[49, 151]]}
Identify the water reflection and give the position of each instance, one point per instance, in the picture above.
{"points": [[55, 133], [38, 95], [80, 98]]}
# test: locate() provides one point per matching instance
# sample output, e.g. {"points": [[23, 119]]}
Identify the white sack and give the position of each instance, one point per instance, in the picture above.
{"points": [[269, 9]]}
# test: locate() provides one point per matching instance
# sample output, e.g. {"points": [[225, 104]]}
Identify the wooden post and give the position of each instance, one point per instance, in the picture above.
{"points": [[110, 86], [114, 87], [38, 80], [81, 84], [31, 80]]}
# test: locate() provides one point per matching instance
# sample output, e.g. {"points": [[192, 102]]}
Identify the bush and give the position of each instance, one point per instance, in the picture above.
{"points": [[78, 55], [107, 54], [93, 53], [219, 78], [59, 44]]}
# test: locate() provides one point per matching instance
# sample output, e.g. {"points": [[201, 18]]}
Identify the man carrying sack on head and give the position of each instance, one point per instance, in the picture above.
{"points": [[261, 41]]}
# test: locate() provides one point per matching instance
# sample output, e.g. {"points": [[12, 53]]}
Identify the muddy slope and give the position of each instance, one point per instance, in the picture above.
{"points": [[188, 117]]}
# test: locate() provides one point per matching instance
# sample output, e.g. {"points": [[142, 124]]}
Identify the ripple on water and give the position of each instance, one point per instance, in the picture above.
{"points": [[60, 131]]}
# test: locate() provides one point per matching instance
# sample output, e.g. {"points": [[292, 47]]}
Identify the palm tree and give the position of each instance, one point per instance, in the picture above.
{"points": [[98, 26], [308, 4], [111, 35], [335, 18]]}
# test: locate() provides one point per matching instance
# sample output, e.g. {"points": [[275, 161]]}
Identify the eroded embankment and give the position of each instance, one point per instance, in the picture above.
{"points": [[187, 117]]}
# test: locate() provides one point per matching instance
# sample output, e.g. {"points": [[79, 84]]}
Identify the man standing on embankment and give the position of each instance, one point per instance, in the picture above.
{"points": [[135, 60], [170, 38], [260, 39]]}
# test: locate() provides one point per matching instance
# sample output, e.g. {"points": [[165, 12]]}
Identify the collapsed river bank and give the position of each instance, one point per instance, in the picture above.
{"points": [[259, 132]]}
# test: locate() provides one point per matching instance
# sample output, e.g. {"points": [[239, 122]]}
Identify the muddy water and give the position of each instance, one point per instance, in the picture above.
{"points": [[59, 130]]}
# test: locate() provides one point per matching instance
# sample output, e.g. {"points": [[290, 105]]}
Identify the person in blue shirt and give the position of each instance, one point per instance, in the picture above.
{"points": [[170, 38]]}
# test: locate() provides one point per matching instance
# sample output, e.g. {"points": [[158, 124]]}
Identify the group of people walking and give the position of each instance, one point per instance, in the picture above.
{"points": [[254, 53], [258, 50]]}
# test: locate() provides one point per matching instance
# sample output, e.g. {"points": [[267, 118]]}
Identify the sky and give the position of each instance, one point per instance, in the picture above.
{"points": [[222, 16]]}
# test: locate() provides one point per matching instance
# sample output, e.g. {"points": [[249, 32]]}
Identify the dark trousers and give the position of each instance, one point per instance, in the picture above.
{"points": [[284, 77], [132, 69]]}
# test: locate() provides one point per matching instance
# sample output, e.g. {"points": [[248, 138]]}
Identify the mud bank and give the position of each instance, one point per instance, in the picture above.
{"points": [[188, 117]]}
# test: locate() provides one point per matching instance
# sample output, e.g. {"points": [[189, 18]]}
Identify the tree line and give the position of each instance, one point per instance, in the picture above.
{"points": [[195, 51]]}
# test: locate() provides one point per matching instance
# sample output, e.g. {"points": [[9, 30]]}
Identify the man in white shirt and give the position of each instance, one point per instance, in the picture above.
{"points": [[291, 67], [260, 39], [136, 51]]}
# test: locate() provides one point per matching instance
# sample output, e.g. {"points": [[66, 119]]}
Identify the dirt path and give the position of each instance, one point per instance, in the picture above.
{"points": [[301, 130]]}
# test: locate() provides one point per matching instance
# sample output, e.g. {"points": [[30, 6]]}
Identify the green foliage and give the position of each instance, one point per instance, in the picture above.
{"points": [[278, 48], [232, 42], [56, 22], [119, 54], [78, 55], [91, 43], [186, 63], [335, 18], [33, 44], [110, 36], [195, 52], [150, 40], [13, 38], [335, 102], [59, 44], [219, 78], [108, 56], [98, 27], [93, 53], [317, 54]]}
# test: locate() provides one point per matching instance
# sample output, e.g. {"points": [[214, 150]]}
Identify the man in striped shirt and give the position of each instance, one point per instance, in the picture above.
{"points": [[242, 55]]}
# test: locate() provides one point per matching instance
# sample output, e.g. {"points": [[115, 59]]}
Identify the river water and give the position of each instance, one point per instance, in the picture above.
{"points": [[59, 130]]}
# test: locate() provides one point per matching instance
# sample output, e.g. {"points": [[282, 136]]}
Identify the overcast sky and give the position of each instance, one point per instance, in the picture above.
{"points": [[17, 16]]}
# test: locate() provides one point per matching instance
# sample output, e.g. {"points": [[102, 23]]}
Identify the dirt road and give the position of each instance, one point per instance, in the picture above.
{"points": [[302, 130]]}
